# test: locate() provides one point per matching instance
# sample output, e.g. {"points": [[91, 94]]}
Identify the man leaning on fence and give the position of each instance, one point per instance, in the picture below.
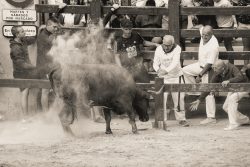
{"points": [[167, 65], [44, 43], [207, 56], [226, 73], [22, 67]]}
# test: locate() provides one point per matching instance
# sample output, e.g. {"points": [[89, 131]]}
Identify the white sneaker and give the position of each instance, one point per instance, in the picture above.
{"points": [[232, 127], [208, 121]]}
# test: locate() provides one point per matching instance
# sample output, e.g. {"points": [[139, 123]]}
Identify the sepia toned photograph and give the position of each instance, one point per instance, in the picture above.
{"points": [[125, 83]]}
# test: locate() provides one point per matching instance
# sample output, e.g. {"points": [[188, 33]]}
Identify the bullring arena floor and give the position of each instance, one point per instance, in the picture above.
{"points": [[41, 142]]}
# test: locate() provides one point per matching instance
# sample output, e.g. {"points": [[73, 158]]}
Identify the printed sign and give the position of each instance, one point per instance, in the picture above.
{"points": [[30, 30], [19, 15]]}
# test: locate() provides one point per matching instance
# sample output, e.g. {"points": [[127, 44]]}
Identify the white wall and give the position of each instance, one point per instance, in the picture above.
{"points": [[9, 97]]}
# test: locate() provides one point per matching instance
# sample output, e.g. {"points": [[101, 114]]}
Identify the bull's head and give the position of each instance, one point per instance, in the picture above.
{"points": [[141, 104], [55, 79]]}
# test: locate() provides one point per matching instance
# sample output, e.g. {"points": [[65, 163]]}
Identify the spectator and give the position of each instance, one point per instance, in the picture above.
{"points": [[129, 47], [22, 67], [44, 44], [71, 19], [112, 18], [244, 24], [149, 21], [226, 73], [167, 65], [203, 20], [225, 22], [207, 56]]}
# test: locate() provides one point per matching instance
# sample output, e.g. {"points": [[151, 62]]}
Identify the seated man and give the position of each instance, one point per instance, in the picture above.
{"points": [[226, 73], [207, 56]]}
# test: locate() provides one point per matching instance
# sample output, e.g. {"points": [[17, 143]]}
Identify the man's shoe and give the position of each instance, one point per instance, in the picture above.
{"points": [[184, 123], [232, 127], [208, 121]]}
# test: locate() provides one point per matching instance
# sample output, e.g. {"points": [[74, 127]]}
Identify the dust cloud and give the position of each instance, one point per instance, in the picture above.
{"points": [[86, 47]]}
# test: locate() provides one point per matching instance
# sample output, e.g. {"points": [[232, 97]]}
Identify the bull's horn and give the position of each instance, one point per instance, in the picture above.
{"points": [[157, 92]]}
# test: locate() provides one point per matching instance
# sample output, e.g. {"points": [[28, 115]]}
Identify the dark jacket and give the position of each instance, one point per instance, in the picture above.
{"points": [[148, 21], [245, 19], [232, 74], [44, 44], [20, 56]]}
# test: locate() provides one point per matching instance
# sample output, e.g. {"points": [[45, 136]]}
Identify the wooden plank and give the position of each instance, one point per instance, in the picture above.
{"points": [[68, 9], [187, 55], [235, 10], [145, 85], [218, 99], [24, 83], [245, 55], [86, 9], [190, 33], [139, 10], [174, 19], [216, 87], [145, 32]]}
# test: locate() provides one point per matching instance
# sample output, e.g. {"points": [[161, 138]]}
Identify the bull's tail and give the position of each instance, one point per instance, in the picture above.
{"points": [[51, 80]]}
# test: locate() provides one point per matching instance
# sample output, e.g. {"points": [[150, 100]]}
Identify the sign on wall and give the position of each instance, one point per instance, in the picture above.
{"points": [[30, 30], [19, 15]]}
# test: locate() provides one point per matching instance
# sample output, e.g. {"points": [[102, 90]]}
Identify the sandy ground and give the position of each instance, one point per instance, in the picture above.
{"points": [[41, 142]]}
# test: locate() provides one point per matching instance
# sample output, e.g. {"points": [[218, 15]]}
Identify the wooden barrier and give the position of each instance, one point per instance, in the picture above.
{"points": [[174, 12], [25, 83]]}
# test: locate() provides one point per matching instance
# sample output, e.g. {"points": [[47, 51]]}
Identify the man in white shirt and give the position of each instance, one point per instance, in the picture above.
{"points": [[226, 22], [167, 65], [207, 56]]}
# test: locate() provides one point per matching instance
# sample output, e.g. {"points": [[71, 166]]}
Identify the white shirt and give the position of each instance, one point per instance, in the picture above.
{"points": [[68, 19], [224, 20], [168, 61], [209, 52]]}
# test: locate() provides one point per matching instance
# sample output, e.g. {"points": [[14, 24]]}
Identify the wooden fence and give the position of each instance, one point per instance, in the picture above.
{"points": [[174, 13]]}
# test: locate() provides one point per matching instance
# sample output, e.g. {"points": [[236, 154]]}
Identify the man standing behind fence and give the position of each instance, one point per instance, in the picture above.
{"points": [[226, 73], [207, 56], [22, 67], [44, 44], [167, 65]]}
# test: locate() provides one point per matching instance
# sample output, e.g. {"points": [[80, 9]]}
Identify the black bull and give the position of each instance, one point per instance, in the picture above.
{"points": [[106, 85]]}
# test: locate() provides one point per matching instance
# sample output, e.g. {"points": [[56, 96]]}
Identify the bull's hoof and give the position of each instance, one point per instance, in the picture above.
{"points": [[108, 132], [135, 132]]}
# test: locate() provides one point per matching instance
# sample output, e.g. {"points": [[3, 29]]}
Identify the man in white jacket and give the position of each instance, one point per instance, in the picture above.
{"points": [[167, 65]]}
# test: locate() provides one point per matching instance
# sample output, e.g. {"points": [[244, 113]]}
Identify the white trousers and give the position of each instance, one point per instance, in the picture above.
{"points": [[231, 107], [192, 70], [179, 114]]}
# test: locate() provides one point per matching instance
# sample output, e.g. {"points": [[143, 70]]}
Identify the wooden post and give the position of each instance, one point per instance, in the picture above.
{"points": [[42, 15], [159, 116], [125, 2], [174, 19], [95, 11]]}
